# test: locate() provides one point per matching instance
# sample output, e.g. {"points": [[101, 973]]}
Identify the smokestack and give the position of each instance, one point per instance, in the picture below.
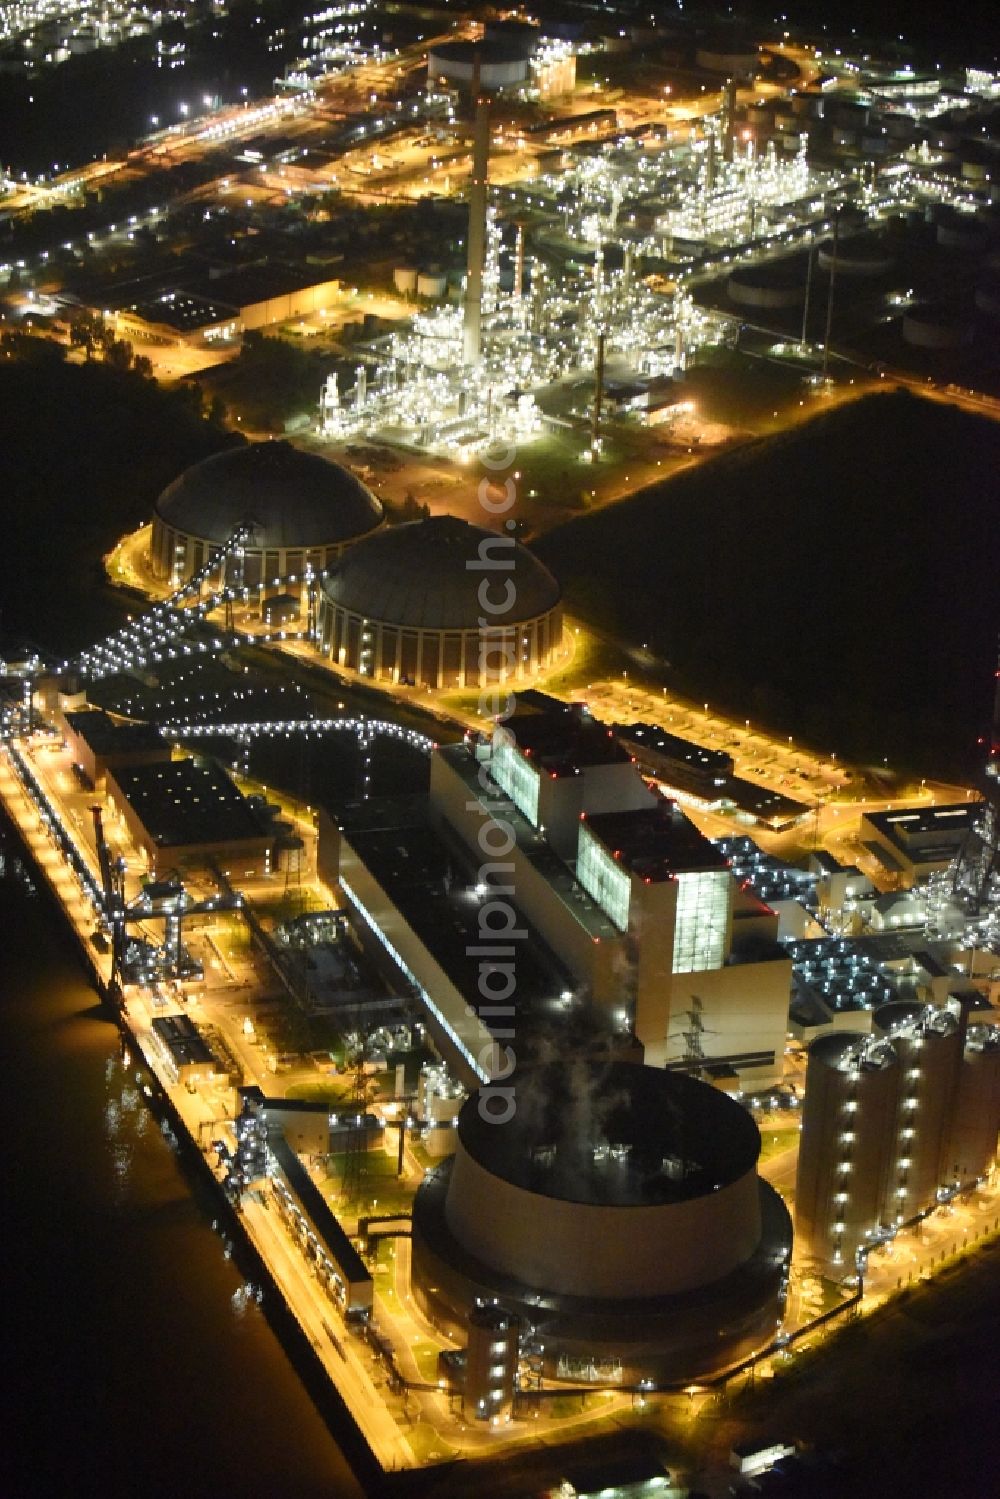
{"points": [[360, 387], [729, 120], [710, 167], [537, 295], [519, 264], [829, 298], [809, 278], [472, 331], [595, 426]]}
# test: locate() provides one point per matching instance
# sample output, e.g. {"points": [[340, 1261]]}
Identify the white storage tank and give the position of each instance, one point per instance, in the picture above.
{"points": [[404, 279], [927, 326], [432, 284], [859, 255], [765, 287]]}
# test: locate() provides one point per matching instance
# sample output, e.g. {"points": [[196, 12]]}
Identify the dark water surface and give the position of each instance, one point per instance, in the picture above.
{"points": [[133, 1360]]}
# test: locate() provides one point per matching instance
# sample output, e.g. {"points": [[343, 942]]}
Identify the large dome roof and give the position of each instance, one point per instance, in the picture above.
{"points": [[418, 575], [294, 499]]}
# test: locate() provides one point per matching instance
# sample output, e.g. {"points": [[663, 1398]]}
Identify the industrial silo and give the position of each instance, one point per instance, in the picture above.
{"points": [[972, 1140], [927, 1041], [846, 1149]]}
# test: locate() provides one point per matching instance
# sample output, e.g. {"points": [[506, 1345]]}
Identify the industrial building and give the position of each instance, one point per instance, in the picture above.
{"points": [[708, 775], [891, 1120], [618, 1216], [185, 1053], [188, 813], [312, 1128], [638, 905], [913, 844], [99, 743], [303, 510], [175, 318], [336, 1262], [418, 907], [441, 603]]}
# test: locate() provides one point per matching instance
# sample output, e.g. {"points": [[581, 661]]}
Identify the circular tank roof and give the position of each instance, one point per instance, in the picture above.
{"points": [[614, 1133], [294, 499], [427, 575], [491, 50]]}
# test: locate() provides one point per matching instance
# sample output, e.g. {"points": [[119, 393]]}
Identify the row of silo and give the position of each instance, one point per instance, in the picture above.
{"points": [[889, 1118]]}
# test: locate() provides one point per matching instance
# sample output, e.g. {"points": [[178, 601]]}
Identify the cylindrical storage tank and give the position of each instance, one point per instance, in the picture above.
{"points": [[432, 284], [960, 231], [843, 137], [302, 512], [734, 60], [846, 1148], [501, 64], [987, 298], [927, 326], [758, 114], [763, 286], [927, 1042], [790, 143], [786, 119], [859, 255], [975, 171], [806, 106], [404, 279], [972, 1142], [899, 127], [847, 114]]}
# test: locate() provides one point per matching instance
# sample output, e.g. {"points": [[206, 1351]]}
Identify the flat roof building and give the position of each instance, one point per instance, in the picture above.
{"points": [[183, 1048], [915, 843], [189, 812], [178, 318], [99, 743]]}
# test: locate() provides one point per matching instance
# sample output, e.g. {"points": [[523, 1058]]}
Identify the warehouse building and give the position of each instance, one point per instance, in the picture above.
{"points": [[189, 814]]}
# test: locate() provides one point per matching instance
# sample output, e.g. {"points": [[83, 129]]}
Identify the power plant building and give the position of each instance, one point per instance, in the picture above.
{"points": [[618, 1215], [303, 513], [624, 890]]}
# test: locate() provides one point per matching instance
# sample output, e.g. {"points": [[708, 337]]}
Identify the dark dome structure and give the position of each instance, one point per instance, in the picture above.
{"points": [[413, 604], [618, 1212], [304, 510]]}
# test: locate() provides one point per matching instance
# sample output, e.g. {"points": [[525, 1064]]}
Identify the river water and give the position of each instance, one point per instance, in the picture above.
{"points": [[134, 1360]]}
